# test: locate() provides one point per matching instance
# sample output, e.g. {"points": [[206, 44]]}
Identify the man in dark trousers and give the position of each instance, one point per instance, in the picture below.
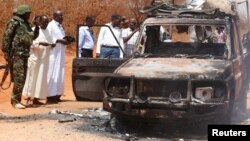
{"points": [[86, 38], [108, 39]]}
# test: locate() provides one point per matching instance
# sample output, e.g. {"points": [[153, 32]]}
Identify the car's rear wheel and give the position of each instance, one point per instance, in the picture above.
{"points": [[243, 97]]}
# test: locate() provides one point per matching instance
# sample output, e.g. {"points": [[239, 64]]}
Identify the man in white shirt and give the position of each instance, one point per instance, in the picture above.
{"points": [[57, 59], [86, 38], [130, 36], [107, 46]]}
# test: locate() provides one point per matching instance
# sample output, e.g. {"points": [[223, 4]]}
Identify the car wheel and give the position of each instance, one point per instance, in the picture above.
{"points": [[243, 98]]}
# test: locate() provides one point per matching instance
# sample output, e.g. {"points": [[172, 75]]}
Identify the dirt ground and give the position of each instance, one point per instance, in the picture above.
{"points": [[44, 129], [36, 124]]}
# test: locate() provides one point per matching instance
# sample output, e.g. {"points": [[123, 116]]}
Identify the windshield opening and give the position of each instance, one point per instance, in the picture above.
{"points": [[185, 41]]}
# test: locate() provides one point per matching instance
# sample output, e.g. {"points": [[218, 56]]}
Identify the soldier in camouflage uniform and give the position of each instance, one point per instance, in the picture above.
{"points": [[17, 40]]}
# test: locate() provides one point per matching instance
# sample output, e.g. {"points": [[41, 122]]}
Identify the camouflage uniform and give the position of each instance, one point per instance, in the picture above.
{"points": [[19, 37]]}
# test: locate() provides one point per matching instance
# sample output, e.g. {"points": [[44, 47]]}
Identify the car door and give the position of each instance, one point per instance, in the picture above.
{"points": [[88, 73]]}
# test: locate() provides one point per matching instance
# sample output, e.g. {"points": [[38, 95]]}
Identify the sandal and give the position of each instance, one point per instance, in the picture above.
{"points": [[28, 100], [37, 102]]}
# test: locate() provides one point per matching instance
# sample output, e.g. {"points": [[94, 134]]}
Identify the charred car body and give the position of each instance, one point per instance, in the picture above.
{"points": [[177, 72], [178, 75]]}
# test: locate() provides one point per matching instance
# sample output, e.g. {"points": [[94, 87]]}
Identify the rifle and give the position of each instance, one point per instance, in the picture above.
{"points": [[8, 67], [6, 73], [2, 66]]}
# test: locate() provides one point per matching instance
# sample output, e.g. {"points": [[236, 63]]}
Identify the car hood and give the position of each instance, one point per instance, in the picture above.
{"points": [[175, 68]]}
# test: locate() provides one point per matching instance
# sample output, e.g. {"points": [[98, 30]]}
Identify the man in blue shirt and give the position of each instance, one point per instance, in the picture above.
{"points": [[86, 38]]}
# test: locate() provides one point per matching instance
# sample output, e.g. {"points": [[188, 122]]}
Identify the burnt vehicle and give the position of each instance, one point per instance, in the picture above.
{"points": [[180, 71]]}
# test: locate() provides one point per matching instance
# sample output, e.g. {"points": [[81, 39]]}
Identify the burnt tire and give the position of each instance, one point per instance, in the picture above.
{"points": [[243, 98], [125, 124], [226, 118], [119, 125]]}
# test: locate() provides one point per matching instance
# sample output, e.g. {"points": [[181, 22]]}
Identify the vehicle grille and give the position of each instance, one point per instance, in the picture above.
{"points": [[161, 88]]}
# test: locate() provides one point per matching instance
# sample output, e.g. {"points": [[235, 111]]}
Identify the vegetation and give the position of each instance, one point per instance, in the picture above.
{"points": [[74, 10]]}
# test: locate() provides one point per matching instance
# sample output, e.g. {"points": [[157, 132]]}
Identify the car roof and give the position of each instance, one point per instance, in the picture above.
{"points": [[174, 20]]}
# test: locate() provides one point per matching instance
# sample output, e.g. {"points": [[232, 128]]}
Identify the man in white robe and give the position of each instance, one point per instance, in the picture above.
{"points": [[57, 59], [35, 84]]}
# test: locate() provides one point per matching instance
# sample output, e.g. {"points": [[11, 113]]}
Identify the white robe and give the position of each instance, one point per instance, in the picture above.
{"points": [[38, 62], [56, 62]]}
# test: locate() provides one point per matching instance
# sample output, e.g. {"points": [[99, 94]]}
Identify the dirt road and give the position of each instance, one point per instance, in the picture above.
{"points": [[36, 124]]}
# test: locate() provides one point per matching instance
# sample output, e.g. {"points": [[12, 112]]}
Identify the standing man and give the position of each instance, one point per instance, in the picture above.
{"points": [[124, 22], [130, 36], [36, 85], [221, 35], [86, 38], [210, 35], [107, 46], [17, 40], [57, 59]]}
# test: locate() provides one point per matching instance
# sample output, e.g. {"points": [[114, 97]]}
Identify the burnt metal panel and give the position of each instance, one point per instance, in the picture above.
{"points": [[161, 88], [176, 68], [88, 75], [163, 110]]}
